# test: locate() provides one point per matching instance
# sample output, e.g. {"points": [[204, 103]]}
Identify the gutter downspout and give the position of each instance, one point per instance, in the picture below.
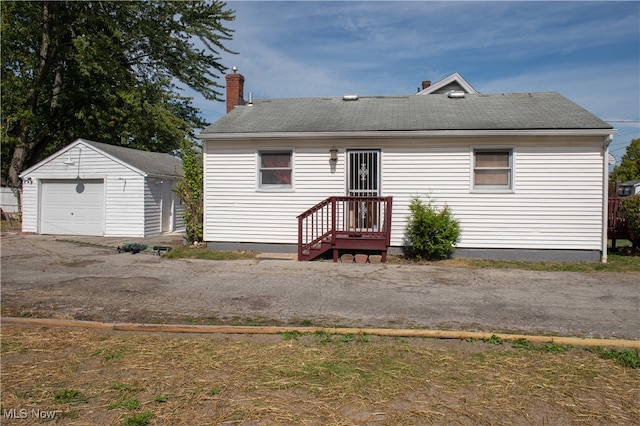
{"points": [[605, 195]]}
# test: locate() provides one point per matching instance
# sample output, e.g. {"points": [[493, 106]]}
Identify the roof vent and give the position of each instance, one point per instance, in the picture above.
{"points": [[455, 94], [350, 97]]}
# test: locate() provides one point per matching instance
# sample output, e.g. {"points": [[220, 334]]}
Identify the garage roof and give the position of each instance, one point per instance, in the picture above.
{"points": [[153, 163], [145, 162]]}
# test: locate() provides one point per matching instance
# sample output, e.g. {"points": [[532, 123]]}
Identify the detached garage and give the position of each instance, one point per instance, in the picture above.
{"points": [[92, 188]]}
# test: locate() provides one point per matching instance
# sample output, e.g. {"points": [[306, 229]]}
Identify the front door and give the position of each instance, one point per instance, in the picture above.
{"points": [[363, 180]]}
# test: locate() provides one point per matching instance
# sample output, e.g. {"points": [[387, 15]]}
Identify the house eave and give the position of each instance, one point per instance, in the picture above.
{"points": [[411, 134]]}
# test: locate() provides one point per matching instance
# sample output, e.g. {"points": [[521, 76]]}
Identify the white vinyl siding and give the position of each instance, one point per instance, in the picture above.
{"points": [[236, 212], [557, 203]]}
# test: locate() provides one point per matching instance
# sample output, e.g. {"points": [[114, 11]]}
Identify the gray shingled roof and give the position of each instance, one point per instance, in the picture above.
{"points": [[510, 111], [153, 163]]}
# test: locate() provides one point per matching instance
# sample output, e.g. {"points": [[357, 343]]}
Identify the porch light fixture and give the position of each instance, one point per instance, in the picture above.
{"points": [[28, 180], [333, 152]]}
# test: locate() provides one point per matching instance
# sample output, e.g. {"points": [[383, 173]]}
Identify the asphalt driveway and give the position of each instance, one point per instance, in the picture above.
{"points": [[86, 278]]}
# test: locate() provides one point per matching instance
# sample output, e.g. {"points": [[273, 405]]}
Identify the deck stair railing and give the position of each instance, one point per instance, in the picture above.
{"points": [[345, 223]]}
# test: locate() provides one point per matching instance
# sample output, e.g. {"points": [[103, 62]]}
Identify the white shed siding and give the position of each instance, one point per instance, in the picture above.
{"points": [[152, 206], [29, 207], [124, 214], [556, 202], [124, 204]]}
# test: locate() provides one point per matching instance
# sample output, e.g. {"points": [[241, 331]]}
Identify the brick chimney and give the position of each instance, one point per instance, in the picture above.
{"points": [[426, 84], [235, 90]]}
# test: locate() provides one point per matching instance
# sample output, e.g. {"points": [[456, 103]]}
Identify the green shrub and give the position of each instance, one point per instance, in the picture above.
{"points": [[630, 209], [431, 233], [190, 190]]}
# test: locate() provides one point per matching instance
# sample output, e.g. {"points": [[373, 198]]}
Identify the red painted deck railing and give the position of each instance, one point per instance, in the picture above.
{"points": [[345, 222]]}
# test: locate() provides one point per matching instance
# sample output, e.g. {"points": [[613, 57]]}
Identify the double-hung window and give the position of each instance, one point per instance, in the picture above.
{"points": [[492, 169], [275, 169]]}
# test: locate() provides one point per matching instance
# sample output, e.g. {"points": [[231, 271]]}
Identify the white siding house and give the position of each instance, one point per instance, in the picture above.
{"points": [[91, 188], [524, 174]]}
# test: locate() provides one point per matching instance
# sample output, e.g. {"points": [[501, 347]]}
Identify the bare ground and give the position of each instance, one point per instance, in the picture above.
{"points": [[88, 377]]}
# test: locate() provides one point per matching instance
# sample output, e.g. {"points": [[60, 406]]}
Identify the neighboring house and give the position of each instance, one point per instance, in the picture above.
{"points": [[631, 187], [92, 188], [454, 83], [525, 174]]}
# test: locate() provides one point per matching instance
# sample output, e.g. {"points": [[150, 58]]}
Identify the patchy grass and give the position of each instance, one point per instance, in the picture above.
{"points": [[312, 378], [15, 225], [206, 254], [139, 419], [626, 358], [615, 263]]}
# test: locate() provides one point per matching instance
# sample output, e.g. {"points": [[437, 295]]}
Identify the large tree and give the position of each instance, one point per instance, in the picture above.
{"points": [[629, 168], [105, 70]]}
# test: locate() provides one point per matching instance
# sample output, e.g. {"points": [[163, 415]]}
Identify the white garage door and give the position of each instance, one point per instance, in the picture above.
{"points": [[72, 207]]}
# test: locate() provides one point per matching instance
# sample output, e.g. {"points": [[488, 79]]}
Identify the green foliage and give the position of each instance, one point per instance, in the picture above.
{"points": [[627, 358], [214, 392], [629, 168], [68, 396], [431, 233], [107, 71], [161, 398], [139, 419], [522, 343], [109, 354], [190, 189], [129, 404], [290, 335], [630, 209], [494, 340]]}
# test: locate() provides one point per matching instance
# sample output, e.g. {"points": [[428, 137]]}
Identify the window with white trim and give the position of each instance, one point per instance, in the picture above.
{"points": [[275, 170], [493, 169]]}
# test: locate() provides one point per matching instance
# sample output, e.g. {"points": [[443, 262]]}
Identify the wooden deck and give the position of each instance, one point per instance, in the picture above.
{"points": [[345, 223]]}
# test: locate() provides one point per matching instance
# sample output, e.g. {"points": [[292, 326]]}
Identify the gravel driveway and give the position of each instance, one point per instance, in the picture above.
{"points": [[86, 278]]}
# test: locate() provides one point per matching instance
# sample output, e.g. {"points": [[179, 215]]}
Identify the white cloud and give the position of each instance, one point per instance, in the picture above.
{"points": [[587, 51]]}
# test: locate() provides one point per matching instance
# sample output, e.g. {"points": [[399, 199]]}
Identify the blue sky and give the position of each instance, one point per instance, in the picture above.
{"points": [[587, 51]]}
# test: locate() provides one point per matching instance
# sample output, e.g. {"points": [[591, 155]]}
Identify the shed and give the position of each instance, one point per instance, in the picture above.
{"points": [[93, 188], [525, 174]]}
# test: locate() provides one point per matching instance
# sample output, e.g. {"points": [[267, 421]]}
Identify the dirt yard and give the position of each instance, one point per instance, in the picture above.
{"points": [[85, 377], [87, 279], [89, 377]]}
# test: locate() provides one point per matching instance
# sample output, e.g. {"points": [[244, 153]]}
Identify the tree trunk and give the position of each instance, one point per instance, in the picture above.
{"points": [[25, 144]]}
